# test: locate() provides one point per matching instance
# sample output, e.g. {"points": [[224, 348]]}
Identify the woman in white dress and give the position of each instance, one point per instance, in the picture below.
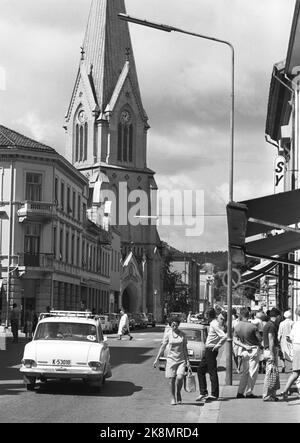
{"points": [[295, 339], [124, 325], [284, 331]]}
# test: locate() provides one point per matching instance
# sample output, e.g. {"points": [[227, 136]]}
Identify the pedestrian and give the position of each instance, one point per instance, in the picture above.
{"points": [[247, 337], [295, 340], [29, 317], [215, 339], [176, 360], [236, 350], [124, 325], [284, 331], [189, 317], [14, 322], [271, 347]]}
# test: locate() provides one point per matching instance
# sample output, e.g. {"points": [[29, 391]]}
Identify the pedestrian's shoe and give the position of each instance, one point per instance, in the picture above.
{"points": [[212, 398], [284, 395], [131, 338], [179, 399], [271, 399], [238, 395], [251, 396], [202, 397], [173, 402]]}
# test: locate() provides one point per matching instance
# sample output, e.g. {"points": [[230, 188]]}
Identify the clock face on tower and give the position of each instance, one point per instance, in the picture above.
{"points": [[125, 117], [81, 116]]}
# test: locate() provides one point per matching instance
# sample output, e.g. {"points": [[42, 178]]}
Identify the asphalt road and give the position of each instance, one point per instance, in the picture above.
{"points": [[136, 393]]}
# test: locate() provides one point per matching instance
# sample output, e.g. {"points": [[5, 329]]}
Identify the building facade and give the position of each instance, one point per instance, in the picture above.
{"points": [[51, 253]]}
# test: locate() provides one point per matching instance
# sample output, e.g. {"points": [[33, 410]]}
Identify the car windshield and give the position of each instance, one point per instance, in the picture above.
{"points": [[193, 334], [66, 331]]}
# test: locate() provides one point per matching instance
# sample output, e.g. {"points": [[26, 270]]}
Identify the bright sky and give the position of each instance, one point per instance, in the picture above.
{"points": [[185, 85]]}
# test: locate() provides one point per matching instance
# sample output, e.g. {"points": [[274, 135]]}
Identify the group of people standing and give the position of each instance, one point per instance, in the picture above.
{"points": [[265, 339], [258, 343]]}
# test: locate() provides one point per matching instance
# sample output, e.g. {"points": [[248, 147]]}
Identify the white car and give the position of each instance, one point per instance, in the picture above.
{"points": [[67, 345], [106, 324]]}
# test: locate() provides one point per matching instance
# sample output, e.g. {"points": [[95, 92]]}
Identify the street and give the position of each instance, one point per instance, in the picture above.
{"points": [[136, 393]]}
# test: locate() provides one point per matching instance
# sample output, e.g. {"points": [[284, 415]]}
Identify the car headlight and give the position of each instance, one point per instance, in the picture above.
{"points": [[96, 365], [29, 363]]}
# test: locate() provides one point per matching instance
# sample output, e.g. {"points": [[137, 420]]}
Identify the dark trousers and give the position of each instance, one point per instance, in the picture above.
{"points": [[15, 329], [209, 365]]}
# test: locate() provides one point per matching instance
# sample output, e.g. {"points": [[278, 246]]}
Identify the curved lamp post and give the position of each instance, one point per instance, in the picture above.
{"points": [[168, 28]]}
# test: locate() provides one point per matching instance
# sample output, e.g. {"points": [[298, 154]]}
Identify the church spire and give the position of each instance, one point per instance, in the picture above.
{"points": [[106, 47]]}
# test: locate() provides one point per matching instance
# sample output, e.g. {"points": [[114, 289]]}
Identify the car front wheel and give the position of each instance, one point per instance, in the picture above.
{"points": [[31, 385]]}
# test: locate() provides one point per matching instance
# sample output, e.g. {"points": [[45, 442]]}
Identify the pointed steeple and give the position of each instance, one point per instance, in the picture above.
{"points": [[106, 48]]}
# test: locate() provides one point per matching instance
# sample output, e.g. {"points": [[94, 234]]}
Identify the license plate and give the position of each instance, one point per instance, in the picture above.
{"points": [[190, 352], [58, 362]]}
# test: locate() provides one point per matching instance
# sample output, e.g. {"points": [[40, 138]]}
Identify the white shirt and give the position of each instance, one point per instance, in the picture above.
{"points": [[295, 333]]}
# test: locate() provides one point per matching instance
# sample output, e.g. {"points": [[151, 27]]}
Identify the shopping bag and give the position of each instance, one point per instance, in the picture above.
{"points": [[190, 381], [273, 379]]}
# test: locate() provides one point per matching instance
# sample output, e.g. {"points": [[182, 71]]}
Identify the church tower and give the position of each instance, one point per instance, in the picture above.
{"points": [[106, 130]]}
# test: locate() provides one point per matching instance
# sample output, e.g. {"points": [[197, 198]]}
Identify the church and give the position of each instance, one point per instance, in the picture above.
{"points": [[106, 140]]}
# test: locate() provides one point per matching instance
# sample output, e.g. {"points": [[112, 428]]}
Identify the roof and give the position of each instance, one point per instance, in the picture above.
{"points": [[106, 43], [13, 139]]}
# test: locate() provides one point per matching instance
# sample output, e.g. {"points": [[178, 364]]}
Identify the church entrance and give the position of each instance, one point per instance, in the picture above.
{"points": [[130, 299]]}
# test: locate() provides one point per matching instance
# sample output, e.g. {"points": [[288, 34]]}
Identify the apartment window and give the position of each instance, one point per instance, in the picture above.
{"points": [[54, 242], [56, 190], [62, 196], [72, 248], [61, 244], [69, 209], [67, 247], [84, 212], [32, 244], [33, 189], [78, 208], [74, 204], [77, 252]]}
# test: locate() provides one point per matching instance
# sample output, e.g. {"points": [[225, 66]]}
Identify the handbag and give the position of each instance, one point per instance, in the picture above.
{"points": [[272, 378], [124, 330], [190, 381]]}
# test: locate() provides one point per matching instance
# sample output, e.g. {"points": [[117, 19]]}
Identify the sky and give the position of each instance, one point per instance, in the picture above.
{"points": [[185, 86]]}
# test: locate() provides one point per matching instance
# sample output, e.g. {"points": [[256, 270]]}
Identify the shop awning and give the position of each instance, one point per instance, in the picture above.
{"points": [[259, 217], [258, 271], [1, 283]]}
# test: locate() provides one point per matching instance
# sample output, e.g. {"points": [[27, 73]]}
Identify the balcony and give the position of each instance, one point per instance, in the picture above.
{"points": [[36, 212]]}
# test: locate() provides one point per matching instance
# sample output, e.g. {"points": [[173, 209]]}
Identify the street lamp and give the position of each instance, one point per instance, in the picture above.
{"points": [[168, 28]]}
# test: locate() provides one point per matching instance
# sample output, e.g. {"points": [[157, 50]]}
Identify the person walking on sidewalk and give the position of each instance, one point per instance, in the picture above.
{"points": [[215, 339], [271, 347], [177, 358], [295, 339], [14, 322], [284, 331], [247, 337], [124, 325]]}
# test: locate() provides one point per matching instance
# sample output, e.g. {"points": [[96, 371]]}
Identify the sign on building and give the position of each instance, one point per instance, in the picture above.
{"points": [[279, 173]]}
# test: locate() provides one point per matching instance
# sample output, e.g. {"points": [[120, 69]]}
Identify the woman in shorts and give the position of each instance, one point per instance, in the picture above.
{"points": [[177, 358]]}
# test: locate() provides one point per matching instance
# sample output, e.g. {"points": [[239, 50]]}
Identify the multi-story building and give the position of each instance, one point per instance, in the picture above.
{"points": [[51, 254]]}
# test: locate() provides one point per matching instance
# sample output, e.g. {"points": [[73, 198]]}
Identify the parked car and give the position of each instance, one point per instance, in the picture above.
{"points": [[67, 345], [114, 319], [132, 321], [140, 320], [196, 336], [106, 324], [151, 320], [180, 315]]}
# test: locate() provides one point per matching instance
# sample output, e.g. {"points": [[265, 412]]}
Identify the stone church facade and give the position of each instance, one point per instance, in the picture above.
{"points": [[106, 140]]}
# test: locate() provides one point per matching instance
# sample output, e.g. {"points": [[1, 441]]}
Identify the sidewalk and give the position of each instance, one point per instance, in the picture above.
{"points": [[229, 409]]}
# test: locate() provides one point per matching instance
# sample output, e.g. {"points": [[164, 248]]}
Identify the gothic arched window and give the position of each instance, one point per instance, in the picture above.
{"points": [[81, 137], [125, 137]]}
